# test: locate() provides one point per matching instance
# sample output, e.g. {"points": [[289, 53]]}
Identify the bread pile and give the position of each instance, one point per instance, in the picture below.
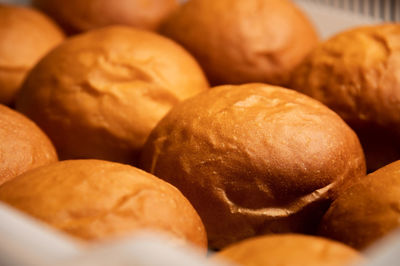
{"points": [[249, 167]]}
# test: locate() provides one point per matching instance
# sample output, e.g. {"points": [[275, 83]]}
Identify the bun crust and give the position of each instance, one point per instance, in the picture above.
{"points": [[26, 35], [23, 145], [100, 94], [78, 16], [254, 159], [367, 211], [97, 200], [238, 42], [288, 250], [356, 73]]}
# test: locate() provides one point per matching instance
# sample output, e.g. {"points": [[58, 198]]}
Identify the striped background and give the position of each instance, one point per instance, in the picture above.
{"points": [[386, 10]]}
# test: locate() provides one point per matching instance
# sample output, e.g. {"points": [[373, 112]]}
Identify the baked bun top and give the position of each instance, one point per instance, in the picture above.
{"points": [[78, 16], [238, 42], [289, 250], [253, 158], [356, 73], [367, 211], [99, 94], [96, 200], [26, 35], [23, 145]]}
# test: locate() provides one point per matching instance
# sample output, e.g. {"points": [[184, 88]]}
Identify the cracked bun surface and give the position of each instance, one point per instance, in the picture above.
{"points": [[238, 41], [97, 200], [254, 159], [357, 74], [23, 145], [289, 250], [78, 16], [26, 35], [367, 211], [99, 94]]}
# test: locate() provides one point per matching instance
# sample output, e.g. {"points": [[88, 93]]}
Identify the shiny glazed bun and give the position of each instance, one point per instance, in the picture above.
{"points": [[243, 41], [357, 74], [99, 94], [26, 35], [254, 159], [78, 16], [289, 250], [96, 200], [367, 211], [23, 145]]}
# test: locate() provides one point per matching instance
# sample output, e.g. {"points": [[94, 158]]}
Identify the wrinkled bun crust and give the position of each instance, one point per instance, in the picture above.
{"points": [[96, 200], [367, 211], [254, 159], [23, 145], [26, 35], [289, 250], [99, 94], [356, 73], [243, 41], [78, 16]]}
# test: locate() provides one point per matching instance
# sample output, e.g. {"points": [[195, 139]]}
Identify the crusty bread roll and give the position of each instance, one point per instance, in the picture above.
{"points": [[78, 16], [23, 145], [97, 200], [25, 36], [99, 94], [254, 159], [367, 210], [289, 250], [243, 41], [357, 74]]}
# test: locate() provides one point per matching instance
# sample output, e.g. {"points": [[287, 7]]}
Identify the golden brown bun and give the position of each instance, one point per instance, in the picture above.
{"points": [[367, 211], [78, 16], [99, 94], [95, 200], [25, 36], [243, 41], [254, 159], [23, 145], [289, 250], [356, 73]]}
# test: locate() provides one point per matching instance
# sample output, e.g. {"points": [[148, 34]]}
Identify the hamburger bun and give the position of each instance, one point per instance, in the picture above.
{"points": [[238, 42], [79, 16], [289, 250], [26, 35], [357, 74], [254, 159], [99, 94], [97, 200], [367, 210], [23, 145]]}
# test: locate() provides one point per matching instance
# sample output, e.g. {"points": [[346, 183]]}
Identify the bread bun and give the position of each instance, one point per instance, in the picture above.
{"points": [[99, 94], [78, 16], [356, 73], [25, 36], [97, 200], [23, 145], [366, 211], [289, 250], [238, 42], [254, 159]]}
